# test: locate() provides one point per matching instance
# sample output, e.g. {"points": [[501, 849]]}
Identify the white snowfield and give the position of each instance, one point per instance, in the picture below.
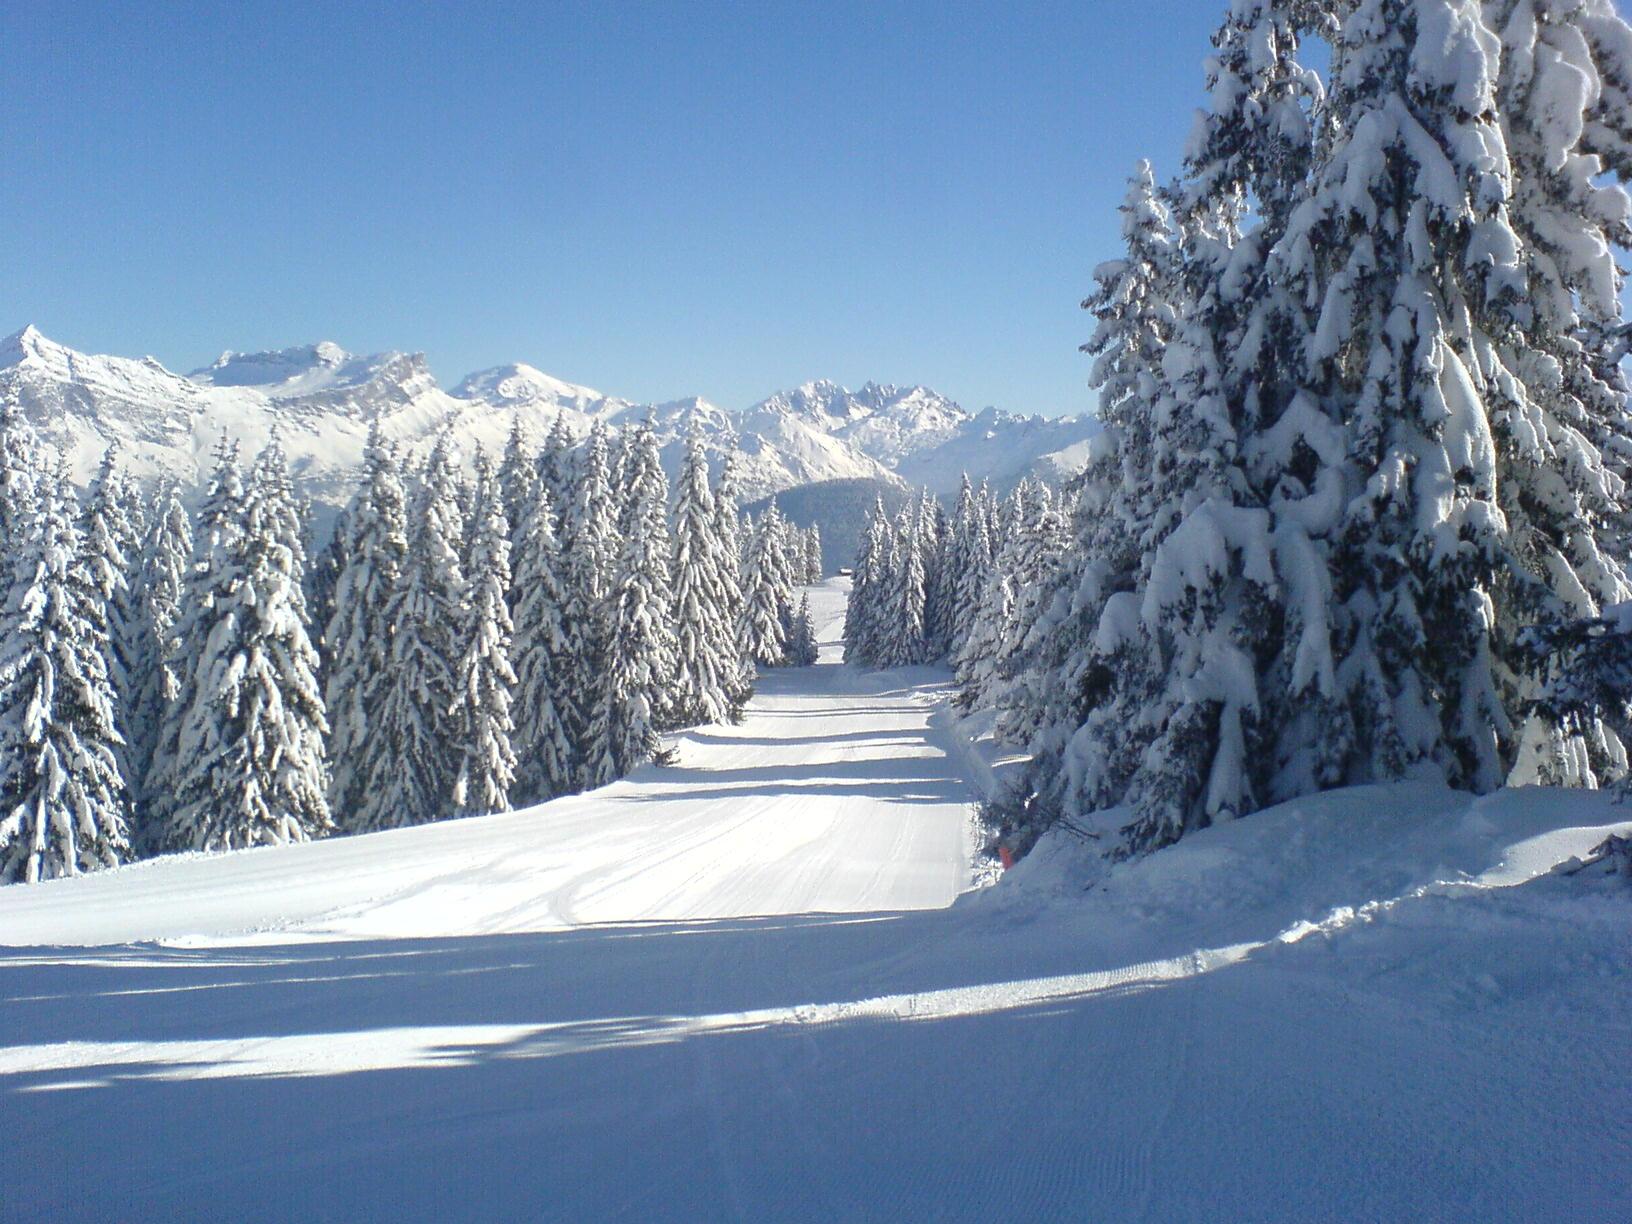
{"points": [[739, 989], [833, 795]]}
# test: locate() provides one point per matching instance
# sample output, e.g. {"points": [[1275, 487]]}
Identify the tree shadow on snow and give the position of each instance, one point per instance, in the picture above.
{"points": [[808, 1066]]}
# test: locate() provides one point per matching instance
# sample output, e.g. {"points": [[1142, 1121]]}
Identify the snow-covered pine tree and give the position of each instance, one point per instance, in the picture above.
{"points": [[212, 572], [902, 637], [588, 552], [802, 648], [473, 489], [1257, 143], [617, 469], [1416, 264], [708, 667], [768, 595], [557, 470], [1345, 604], [415, 752], [111, 541], [793, 555], [1033, 560], [157, 662], [992, 506], [323, 581], [640, 646], [545, 766], [519, 480], [251, 761], [1586, 670], [645, 510], [19, 453], [785, 557], [1187, 685], [975, 553], [483, 676], [1092, 667], [948, 621], [62, 798], [886, 593], [800, 542], [1170, 323], [867, 584], [359, 636], [728, 529], [799, 556], [931, 527], [1562, 428], [815, 571], [975, 666]]}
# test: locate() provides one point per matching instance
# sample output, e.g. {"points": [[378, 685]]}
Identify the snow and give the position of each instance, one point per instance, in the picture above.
{"points": [[294, 372], [324, 399], [836, 783], [522, 384], [739, 988]]}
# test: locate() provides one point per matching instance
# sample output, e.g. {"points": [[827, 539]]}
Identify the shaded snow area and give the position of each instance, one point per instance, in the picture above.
{"points": [[740, 988]]}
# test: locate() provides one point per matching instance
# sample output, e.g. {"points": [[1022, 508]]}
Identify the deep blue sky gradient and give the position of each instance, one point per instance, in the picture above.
{"points": [[654, 199]]}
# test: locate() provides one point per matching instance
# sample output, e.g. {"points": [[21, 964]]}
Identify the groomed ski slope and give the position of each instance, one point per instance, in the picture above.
{"points": [[733, 991], [833, 795]]}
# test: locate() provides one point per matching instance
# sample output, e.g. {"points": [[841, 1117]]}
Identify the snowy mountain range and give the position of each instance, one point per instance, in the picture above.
{"points": [[323, 399]]}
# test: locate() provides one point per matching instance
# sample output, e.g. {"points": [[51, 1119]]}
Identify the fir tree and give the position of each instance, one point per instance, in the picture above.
{"points": [[518, 479], [867, 584], [556, 470], [212, 574], [250, 767], [1416, 557], [640, 645], [19, 451], [1032, 560], [323, 580], [931, 528], [815, 570], [1561, 426], [472, 491], [415, 753], [793, 557], [62, 797], [992, 507], [802, 648], [728, 530], [949, 620], [588, 555], [708, 667], [360, 636], [157, 661], [645, 511], [111, 541], [484, 676], [1358, 448], [977, 663], [544, 750], [768, 594], [904, 635], [974, 553]]}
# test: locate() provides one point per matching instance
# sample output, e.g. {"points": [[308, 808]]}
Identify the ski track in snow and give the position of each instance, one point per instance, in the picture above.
{"points": [[732, 989], [833, 795]]}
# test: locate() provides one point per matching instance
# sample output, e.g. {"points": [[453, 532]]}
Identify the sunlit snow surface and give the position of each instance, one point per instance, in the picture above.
{"points": [[732, 990]]}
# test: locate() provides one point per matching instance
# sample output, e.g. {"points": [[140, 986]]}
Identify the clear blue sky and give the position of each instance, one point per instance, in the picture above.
{"points": [[657, 200]]}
